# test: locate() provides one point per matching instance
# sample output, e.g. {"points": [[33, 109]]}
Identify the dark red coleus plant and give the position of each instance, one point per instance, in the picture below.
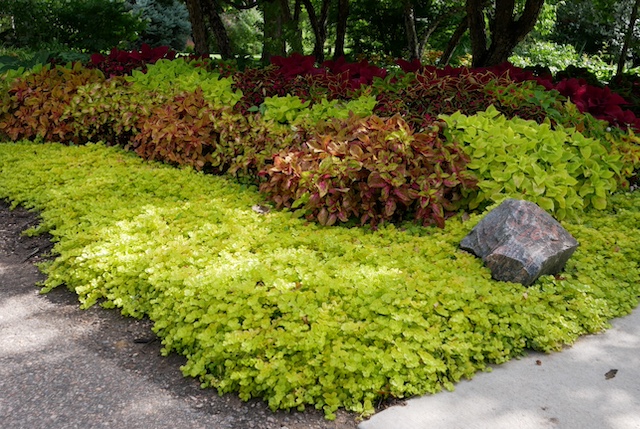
{"points": [[120, 62]]}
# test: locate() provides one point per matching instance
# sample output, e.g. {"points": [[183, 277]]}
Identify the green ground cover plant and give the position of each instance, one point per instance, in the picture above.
{"points": [[271, 306]]}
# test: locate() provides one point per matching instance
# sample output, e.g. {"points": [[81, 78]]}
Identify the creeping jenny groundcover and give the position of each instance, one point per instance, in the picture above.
{"points": [[270, 306]]}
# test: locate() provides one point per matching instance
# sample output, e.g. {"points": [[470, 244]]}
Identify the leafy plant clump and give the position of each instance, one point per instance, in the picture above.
{"points": [[189, 130], [292, 110], [268, 306], [112, 111], [373, 170], [559, 169], [35, 103], [121, 62], [179, 75]]}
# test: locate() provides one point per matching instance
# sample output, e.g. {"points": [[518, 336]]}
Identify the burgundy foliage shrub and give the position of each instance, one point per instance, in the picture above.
{"points": [[602, 103], [120, 62], [298, 75]]}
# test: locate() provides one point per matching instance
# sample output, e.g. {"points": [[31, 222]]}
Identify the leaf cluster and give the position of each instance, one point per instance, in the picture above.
{"points": [[183, 75], [559, 169], [373, 170], [590, 98], [188, 130], [419, 97], [298, 75], [292, 110], [602, 103], [35, 103], [121, 62], [111, 111]]}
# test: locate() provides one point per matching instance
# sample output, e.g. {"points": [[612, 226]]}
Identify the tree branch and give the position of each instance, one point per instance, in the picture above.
{"points": [[242, 5], [453, 42]]}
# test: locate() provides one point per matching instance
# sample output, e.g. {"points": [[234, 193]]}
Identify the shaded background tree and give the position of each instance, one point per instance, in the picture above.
{"points": [[167, 23], [551, 31], [90, 25], [507, 26], [598, 27]]}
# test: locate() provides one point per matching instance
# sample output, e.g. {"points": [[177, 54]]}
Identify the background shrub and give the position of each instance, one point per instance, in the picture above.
{"points": [[92, 25], [120, 62]]}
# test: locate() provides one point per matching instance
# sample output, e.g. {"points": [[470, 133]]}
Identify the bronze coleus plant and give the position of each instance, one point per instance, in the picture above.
{"points": [[375, 170], [35, 104]]}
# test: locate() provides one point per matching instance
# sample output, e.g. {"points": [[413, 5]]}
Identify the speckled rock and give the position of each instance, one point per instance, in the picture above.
{"points": [[519, 242]]}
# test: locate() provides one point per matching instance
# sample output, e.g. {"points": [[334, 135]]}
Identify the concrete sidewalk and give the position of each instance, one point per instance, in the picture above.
{"points": [[567, 390]]}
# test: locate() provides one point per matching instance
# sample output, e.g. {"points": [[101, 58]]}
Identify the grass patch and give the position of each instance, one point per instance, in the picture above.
{"points": [[298, 314]]}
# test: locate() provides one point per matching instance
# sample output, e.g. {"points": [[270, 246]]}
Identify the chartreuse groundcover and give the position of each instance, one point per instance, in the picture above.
{"points": [[270, 306]]}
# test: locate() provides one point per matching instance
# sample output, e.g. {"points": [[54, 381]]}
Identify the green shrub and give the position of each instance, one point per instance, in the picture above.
{"points": [[291, 109], [339, 109], [283, 110], [92, 25], [373, 170], [179, 75], [549, 54], [19, 63], [559, 169], [559, 57], [110, 111]]}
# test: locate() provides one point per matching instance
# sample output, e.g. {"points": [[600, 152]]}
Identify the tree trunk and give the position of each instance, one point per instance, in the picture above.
{"points": [[296, 43], [477, 33], [506, 31], [198, 28], [319, 26], [426, 36], [273, 42], [291, 27], [454, 41], [627, 38], [410, 29], [217, 28], [341, 27]]}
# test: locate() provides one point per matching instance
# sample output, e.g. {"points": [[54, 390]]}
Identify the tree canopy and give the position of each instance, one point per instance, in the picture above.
{"points": [[485, 32]]}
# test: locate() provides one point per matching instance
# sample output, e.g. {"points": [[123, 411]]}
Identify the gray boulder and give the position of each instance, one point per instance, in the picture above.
{"points": [[519, 242]]}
